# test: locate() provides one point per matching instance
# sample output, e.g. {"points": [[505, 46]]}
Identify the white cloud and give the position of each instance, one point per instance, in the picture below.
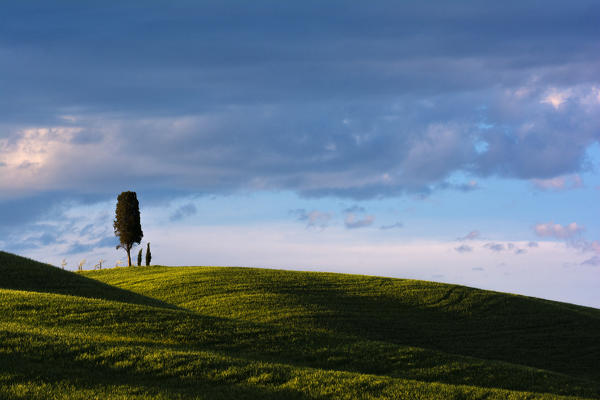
{"points": [[29, 155], [556, 97], [559, 183], [558, 231]]}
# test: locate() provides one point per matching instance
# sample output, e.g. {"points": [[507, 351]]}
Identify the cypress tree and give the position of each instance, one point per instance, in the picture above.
{"points": [[148, 255], [127, 222], [140, 258]]}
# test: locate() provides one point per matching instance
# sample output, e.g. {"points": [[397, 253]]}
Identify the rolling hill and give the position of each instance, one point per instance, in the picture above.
{"points": [[209, 333]]}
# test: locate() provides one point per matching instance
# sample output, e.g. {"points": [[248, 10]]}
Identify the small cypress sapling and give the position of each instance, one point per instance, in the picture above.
{"points": [[148, 255], [140, 258]]}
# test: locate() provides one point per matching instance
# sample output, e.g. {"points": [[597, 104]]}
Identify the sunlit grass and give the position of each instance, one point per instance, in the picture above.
{"points": [[202, 332]]}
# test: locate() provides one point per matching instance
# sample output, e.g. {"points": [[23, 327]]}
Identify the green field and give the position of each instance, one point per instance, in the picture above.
{"points": [[241, 333]]}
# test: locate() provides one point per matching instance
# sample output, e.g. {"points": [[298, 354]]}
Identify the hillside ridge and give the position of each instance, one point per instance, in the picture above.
{"points": [[262, 333]]}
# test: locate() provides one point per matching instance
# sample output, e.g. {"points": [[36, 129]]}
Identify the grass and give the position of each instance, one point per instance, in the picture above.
{"points": [[211, 333]]}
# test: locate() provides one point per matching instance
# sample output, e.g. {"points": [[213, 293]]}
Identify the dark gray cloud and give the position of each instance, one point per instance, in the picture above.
{"points": [[473, 235], [461, 187], [382, 100], [593, 261], [313, 219], [354, 222], [21, 211], [186, 210], [496, 247], [392, 226], [464, 248]]}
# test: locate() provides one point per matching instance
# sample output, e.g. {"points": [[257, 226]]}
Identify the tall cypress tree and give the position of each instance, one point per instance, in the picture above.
{"points": [[127, 222]]}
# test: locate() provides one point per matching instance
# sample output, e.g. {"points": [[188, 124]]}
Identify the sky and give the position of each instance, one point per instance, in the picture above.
{"points": [[448, 141]]}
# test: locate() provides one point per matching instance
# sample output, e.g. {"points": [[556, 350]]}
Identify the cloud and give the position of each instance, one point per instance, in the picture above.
{"points": [[464, 248], [467, 187], [392, 226], [533, 244], [78, 247], [473, 235], [314, 218], [353, 222], [571, 234], [461, 187], [186, 210], [585, 245], [558, 231], [556, 97], [593, 261], [355, 209], [559, 183], [396, 112], [496, 247]]}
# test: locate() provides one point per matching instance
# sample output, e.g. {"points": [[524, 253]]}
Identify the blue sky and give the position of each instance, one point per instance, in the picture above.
{"points": [[448, 141]]}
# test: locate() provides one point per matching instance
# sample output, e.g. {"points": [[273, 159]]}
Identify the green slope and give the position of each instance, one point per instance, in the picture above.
{"points": [[454, 319], [21, 273], [251, 333]]}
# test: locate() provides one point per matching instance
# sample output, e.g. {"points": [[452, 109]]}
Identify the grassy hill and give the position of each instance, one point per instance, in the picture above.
{"points": [[210, 333]]}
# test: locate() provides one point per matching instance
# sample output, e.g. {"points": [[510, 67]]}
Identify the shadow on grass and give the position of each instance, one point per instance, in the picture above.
{"points": [[67, 371], [247, 343], [20, 273], [464, 321]]}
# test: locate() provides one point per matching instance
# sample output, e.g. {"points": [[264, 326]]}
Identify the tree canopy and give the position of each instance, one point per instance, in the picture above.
{"points": [[127, 222]]}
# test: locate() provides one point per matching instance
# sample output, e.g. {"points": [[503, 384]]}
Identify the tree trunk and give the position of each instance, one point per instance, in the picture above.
{"points": [[129, 256]]}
